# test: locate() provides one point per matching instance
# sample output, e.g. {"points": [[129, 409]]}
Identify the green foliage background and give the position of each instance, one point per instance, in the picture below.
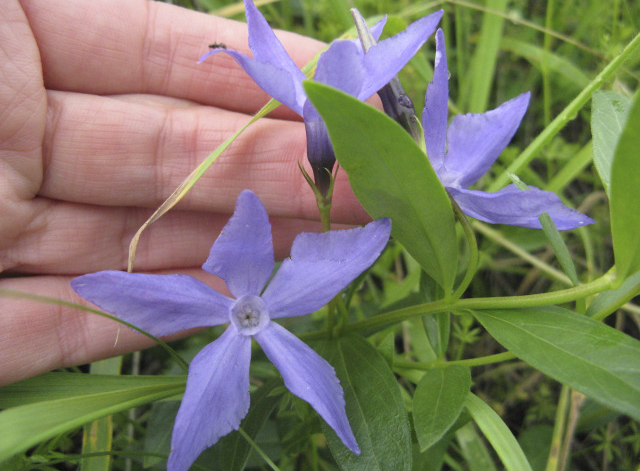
{"points": [[497, 49]]}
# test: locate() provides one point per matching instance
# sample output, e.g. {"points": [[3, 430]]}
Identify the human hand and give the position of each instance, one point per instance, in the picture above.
{"points": [[104, 112]]}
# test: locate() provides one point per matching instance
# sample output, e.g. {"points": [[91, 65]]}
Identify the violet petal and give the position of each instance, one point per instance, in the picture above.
{"points": [[243, 253], [276, 82], [377, 28], [436, 107], [159, 304], [307, 375], [476, 140], [321, 265], [517, 207], [388, 57], [216, 398], [264, 44], [341, 67]]}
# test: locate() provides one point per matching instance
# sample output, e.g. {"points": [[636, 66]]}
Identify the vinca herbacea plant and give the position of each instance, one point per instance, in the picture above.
{"points": [[217, 395], [448, 316]]}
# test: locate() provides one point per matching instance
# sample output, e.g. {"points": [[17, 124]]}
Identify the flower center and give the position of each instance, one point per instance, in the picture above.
{"points": [[249, 314]]}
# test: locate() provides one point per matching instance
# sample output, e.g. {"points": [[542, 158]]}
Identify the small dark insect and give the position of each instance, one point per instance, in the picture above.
{"points": [[217, 46]]}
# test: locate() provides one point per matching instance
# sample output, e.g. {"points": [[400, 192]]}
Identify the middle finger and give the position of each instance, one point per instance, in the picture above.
{"points": [[117, 152]]}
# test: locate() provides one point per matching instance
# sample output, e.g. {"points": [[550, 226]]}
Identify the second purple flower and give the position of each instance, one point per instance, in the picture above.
{"points": [[344, 66]]}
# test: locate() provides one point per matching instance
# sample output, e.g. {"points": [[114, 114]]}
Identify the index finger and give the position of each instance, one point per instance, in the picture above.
{"points": [[137, 46]]}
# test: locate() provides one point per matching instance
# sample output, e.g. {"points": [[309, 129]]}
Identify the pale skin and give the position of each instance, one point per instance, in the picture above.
{"points": [[103, 112]]}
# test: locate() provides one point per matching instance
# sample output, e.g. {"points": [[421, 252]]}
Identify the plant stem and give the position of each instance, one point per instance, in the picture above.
{"points": [[471, 362], [258, 450], [558, 428], [325, 215], [473, 250], [574, 413], [507, 302]]}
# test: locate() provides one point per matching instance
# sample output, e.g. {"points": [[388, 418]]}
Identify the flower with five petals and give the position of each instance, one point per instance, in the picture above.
{"points": [[217, 393], [465, 150]]}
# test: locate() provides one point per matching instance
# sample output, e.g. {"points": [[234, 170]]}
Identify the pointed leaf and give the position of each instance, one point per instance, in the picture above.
{"points": [[24, 426], [392, 178], [438, 401], [51, 386], [559, 247], [625, 196], [498, 434], [375, 408], [572, 75], [576, 350], [608, 117], [485, 56]]}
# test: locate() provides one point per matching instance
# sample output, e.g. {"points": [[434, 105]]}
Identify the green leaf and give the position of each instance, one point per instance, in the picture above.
{"points": [[576, 350], [24, 426], [559, 247], [498, 434], [375, 408], [438, 401], [608, 117], [98, 435], [625, 196], [574, 76], [52, 386], [485, 56], [438, 328], [392, 177], [157, 439]]}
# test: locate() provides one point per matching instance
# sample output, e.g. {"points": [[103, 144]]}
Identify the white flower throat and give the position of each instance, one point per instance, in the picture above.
{"points": [[249, 315]]}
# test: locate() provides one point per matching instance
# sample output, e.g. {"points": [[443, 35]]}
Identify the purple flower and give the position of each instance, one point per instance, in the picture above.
{"points": [[217, 394], [344, 66], [463, 152]]}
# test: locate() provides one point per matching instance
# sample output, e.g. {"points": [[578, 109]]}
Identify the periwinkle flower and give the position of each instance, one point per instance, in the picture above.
{"points": [[464, 152], [217, 394], [344, 66]]}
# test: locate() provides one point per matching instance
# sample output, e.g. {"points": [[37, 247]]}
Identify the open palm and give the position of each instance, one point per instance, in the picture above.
{"points": [[103, 112]]}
